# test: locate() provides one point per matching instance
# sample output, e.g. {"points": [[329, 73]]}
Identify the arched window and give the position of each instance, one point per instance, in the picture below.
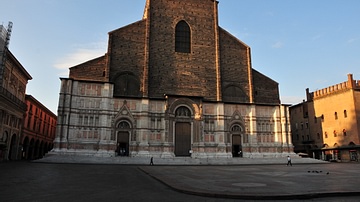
{"points": [[182, 37], [127, 84], [234, 93]]}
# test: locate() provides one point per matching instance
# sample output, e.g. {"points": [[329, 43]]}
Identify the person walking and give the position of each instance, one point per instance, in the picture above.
{"points": [[288, 161], [151, 161]]}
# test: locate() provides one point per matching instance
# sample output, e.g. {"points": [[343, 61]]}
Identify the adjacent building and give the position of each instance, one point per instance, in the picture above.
{"points": [[172, 84], [326, 126], [27, 128], [13, 81], [38, 131]]}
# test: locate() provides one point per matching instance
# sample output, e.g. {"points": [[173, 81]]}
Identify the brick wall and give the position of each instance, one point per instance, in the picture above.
{"points": [[266, 90], [234, 64], [93, 70], [189, 74], [127, 53]]}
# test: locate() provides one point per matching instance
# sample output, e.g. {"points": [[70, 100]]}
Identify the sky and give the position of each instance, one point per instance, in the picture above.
{"points": [[298, 43]]}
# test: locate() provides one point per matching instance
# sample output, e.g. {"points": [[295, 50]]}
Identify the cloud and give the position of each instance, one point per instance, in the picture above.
{"points": [[278, 44], [316, 37], [352, 40], [291, 99], [80, 55]]}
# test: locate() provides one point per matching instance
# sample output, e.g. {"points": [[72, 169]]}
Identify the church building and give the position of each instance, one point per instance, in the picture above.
{"points": [[172, 84]]}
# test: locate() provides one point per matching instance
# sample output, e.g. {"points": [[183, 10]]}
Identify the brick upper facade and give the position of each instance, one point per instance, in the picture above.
{"points": [[142, 57]]}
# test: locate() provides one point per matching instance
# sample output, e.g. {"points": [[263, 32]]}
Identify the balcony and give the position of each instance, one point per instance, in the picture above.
{"points": [[5, 94]]}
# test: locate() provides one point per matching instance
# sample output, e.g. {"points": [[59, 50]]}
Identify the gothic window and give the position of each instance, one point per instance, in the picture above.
{"points": [[182, 37], [126, 85], [234, 94], [209, 124], [345, 113], [155, 123]]}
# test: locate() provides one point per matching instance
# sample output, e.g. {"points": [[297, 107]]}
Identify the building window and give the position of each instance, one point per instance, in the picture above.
{"points": [[182, 37], [322, 118], [209, 124], [336, 116], [127, 84], [344, 132], [345, 113], [335, 134], [307, 125], [326, 135]]}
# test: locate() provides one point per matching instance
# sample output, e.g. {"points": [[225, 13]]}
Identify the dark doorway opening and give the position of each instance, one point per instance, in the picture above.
{"points": [[236, 146], [122, 148]]}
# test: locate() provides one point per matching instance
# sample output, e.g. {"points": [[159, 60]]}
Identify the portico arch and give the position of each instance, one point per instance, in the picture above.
{"points": [[123, 131], [236, 132]]}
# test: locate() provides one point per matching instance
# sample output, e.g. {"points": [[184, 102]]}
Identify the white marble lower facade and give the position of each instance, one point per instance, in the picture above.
{"points": [[92, 122]]}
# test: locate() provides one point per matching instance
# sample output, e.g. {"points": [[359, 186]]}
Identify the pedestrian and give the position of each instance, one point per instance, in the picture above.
{"points": [[151, 161], [288, 161]]}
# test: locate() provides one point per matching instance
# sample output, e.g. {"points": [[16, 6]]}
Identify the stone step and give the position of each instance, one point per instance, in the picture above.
{"points": [[56, 158]]}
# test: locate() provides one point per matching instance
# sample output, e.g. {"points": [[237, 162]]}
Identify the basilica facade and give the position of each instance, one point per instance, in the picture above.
{"points": [[172, 84]]}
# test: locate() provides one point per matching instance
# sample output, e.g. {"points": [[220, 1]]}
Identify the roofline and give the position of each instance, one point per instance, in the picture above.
{"points": [[19, 64], [30, 97]]}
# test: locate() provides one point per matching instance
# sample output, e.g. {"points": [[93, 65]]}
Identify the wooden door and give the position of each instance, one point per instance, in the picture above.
{"points": [[182, 139]]}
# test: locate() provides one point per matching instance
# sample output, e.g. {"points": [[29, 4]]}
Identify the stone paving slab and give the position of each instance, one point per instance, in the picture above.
{"points": [[277, 182]]}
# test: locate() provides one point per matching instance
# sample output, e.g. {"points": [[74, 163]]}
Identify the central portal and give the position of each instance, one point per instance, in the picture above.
{"points": [[182, 139], [236, 146], [122, 143]]}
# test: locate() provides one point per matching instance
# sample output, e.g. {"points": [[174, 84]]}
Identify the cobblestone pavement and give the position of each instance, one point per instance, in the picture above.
{"points": [[27, 181]]}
